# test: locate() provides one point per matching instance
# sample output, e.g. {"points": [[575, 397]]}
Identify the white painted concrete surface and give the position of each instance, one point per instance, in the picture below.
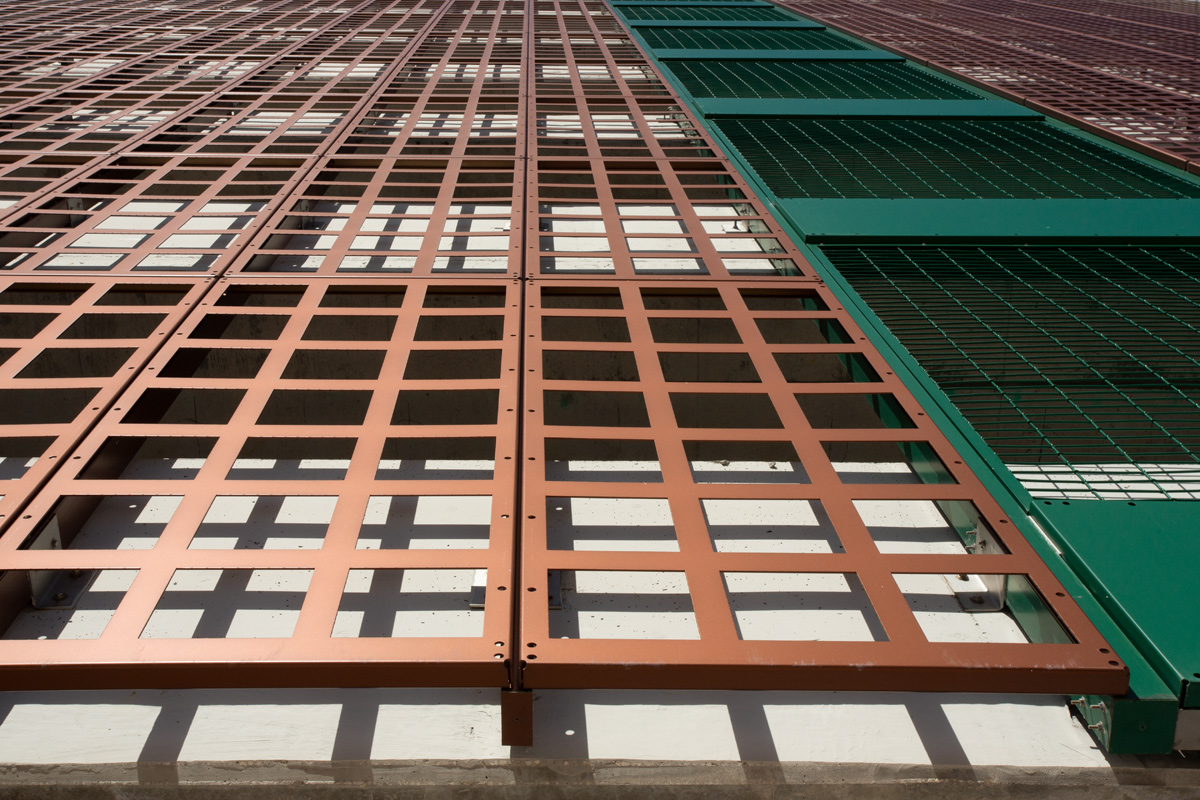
{"points": [[464, 724]]}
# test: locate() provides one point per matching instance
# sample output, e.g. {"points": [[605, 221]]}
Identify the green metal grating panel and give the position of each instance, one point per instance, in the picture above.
{"points": [[941, 158], [734, 39], [1070, 356], [814, 79], [719, 14]]}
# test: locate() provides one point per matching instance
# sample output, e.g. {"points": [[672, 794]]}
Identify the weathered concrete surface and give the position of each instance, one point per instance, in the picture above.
{"points": [[600, 779]]}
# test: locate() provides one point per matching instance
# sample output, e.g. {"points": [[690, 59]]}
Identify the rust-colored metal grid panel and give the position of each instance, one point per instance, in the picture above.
{"points": [[428, 179], [312, 484], [238, 79], [652, 218], [147, 214], [456, 95], [722, 485], [1125, 71], [621, 180], [281, 94], [67, 350], [124, 53], [303, 100], [452, 217], [36, 29]]}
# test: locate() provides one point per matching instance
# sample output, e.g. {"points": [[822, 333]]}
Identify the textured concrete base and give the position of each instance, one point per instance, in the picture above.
{"points": [[435, 743], [611, 780]]}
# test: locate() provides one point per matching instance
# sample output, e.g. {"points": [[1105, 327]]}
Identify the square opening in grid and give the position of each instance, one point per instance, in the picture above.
{"points": [[42, 294], [185, 406], [214, 363], [655, 299], [446, 407], [264, 296], [610, 523], [110, 522], [349, 328], [292, 459], [459, 328], [240, 326], [887, 462], [826, 368], [584, 329], [23, 325], [149, 458], [589, 365], [456, 364], [465, 297], [374, 296], [983, 608], [854, 411], [113, 326], [426, 522], [315, 407], [229, 604], [63, 604], [730, 461], [264, 522], [760, 525], [802, 607], [410, 603], [698, 330], [720, 410], [595, 409], [928, 526], [800, 330], [617, 460], [783, 300], [621, 604], [76, 362], [581, 297], [434, 459], [42, 406], [694, 367], [334, 365], [19, 453]]}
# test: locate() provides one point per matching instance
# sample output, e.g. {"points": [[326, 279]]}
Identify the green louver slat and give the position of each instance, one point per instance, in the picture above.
{"points": [[814, 79], [716, 15], [734, 39], [938, 158]]}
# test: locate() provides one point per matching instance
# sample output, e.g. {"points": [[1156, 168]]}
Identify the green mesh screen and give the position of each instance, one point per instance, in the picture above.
{"points": [[813, 79], [745, 39], [1061, 355], [719, 14], [941, 158]]}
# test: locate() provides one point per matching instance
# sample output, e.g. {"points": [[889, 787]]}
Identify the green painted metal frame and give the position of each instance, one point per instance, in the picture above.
{"points": [[1142, 721], [1088, 221], [684, 54], [720, 107], [1122, 565], [673, 23]]}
